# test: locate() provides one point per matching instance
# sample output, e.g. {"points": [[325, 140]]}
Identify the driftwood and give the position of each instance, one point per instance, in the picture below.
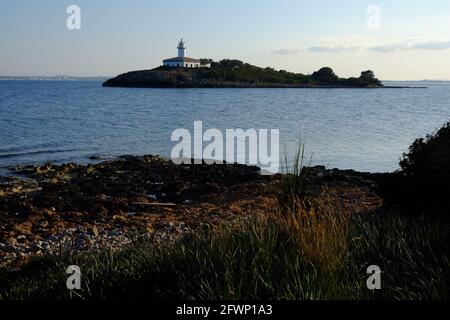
{"points": [[155, 204]]}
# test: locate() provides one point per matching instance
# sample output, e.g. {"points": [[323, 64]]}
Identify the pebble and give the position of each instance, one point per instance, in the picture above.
{"points": [[95, 231], [12, 241]]}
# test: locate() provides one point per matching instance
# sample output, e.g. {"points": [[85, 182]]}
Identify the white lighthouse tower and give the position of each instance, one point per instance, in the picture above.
{"points": [[181, 49], [182, 61]]}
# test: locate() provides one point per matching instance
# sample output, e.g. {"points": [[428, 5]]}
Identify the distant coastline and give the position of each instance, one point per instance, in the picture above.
{"points": [[51, 78]]}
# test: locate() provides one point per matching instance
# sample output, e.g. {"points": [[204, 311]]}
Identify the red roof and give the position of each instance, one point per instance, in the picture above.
{"points": [[181, 59]]}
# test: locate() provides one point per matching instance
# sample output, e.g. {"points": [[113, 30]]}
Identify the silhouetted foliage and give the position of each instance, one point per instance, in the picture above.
{"points": [[354, 82], [238, 71], [368, 77], [426, 168], [424, 179], [228, 63], [206, 61], [325, 75], [230, 72]]}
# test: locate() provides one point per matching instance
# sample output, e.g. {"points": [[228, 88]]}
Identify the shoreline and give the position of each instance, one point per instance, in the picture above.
{"points": [[114, 203], [259, 87]]}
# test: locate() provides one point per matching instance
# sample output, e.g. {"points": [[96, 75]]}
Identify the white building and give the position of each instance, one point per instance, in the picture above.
{"points": [[181, 61]]}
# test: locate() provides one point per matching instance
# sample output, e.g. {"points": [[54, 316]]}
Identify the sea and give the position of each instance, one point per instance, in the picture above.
{"points": [[78, 121]]}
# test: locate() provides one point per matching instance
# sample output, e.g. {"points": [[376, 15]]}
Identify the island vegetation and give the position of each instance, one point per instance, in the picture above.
{"points": [[237, 74]]}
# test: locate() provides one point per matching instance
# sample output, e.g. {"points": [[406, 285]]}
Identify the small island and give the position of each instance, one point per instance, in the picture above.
{"points": [[237, 74], [186, 72]]}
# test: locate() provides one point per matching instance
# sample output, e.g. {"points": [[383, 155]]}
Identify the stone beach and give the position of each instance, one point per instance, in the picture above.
{"points": [[47, 209]]}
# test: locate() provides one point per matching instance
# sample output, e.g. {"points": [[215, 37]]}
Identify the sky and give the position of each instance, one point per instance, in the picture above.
{"points": [[397, 39]]}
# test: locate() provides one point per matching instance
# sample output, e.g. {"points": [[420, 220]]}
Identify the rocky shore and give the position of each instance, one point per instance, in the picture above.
{"points": [[51, 208]]}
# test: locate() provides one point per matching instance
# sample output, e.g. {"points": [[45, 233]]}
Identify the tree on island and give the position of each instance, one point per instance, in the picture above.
{"points": [[206, 60], [325, 75], [228, 63], [368, 77]]}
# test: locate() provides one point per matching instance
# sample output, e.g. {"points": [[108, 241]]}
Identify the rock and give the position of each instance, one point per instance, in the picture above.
{"points": [[100, 210], [176, 186], [95, 231], [48, 214], [119, 218], [43, 224], [24, 228], [96, 157]]}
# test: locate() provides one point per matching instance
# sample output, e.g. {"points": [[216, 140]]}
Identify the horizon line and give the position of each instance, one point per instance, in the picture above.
{"points": [[7, 77]]}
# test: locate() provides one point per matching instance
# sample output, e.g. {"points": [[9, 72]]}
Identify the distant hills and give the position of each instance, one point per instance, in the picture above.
{"points": [[237, 74]]}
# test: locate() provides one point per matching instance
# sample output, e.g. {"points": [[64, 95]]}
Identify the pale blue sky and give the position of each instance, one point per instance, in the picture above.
{"points": [[298, 35]]}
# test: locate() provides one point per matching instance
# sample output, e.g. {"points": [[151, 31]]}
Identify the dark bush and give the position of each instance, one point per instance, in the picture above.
{"points": [[228, 63], [368, 78], [426, 169], [325, 75]]}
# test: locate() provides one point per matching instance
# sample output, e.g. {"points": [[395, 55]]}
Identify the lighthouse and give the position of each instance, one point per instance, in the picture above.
{"points": [[182, 61], [181, 49]]}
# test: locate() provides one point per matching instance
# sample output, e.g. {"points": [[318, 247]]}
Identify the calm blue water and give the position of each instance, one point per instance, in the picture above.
{"points": [[65, 121]]}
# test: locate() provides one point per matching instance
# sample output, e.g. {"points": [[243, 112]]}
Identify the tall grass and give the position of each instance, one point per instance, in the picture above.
{"points": [[294, 183], [320, 231], [413, 253], [312, 218], [273, 257], [305, 247]]}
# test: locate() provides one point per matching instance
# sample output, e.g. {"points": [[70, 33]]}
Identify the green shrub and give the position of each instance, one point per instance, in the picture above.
{"points": [[426, 169], [325, 75]]}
